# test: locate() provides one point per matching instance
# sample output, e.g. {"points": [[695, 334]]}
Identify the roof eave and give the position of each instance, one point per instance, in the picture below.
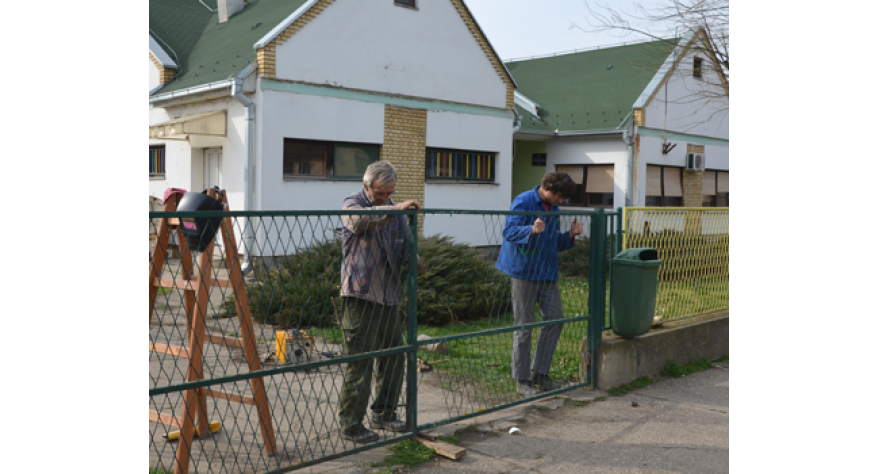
{"points": [[211, 86], [571, 133], [662, 72], [159, 53], [527, 104], [280, 27]]}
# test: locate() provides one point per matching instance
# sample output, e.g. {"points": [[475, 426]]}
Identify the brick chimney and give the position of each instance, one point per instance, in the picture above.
{"points": [[227, 8]]}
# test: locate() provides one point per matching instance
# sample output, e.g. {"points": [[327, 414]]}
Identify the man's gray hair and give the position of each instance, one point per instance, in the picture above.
{"points": [[382, 172]]}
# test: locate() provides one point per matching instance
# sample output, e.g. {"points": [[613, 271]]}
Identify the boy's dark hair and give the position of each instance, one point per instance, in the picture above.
{"points": [[559, 183]]}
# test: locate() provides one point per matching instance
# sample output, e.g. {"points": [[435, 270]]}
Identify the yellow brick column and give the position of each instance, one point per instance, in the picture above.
{"points": [[693, 195], [693, 181], [404, 147], [693, 189]]}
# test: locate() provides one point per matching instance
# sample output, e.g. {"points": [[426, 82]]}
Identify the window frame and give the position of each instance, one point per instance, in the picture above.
{"points": [[430, 166], [698, 67], [330, 159], [663, 200], [411, 4], [582, 197], [158, 175], [718, 199]]}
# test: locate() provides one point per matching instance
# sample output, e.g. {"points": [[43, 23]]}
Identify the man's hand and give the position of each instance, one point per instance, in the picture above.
{"points": [[577, 228], [538, 226], [405, 205]]}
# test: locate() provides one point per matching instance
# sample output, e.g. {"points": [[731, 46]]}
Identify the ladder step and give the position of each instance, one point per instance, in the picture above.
{"points": [[226, 340], [181, 352], [191, 285], [231, 397]]}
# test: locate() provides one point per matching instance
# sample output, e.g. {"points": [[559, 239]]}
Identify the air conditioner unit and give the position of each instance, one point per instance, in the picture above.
{"points": [[696, 162]]}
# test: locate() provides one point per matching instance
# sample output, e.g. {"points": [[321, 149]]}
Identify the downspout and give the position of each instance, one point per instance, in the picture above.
{"points": [[517, 124], [248, 237], [628, 138]]}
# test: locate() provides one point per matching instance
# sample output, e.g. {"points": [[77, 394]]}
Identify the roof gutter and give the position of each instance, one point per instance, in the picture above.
{"points": [[250, 122], [579, 133], [211, 86]]}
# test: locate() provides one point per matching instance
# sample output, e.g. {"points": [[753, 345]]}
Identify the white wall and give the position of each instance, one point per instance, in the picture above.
{"points": [[592, 151], [283, 115], [183, 162], [375, 45], [154, 75], [478, 133], [684, 103]]}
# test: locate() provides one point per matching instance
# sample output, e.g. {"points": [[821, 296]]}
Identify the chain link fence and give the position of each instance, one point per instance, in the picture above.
{"points": [[249, 373], [693, 244]]}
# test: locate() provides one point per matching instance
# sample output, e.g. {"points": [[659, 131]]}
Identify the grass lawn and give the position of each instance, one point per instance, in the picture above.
{"points": [[485, 361]]}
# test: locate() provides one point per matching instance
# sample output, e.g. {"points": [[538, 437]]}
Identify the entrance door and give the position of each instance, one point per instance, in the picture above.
{"points": [[212, 176]]}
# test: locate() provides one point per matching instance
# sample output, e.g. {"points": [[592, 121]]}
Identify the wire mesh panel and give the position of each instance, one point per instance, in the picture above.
{"points": [[693, 244], [467, 324], [297, 321], [437, 310]]}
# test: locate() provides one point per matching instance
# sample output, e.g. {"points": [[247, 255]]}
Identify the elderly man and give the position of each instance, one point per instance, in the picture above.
{"points": [[375, 254], [529, 256]]}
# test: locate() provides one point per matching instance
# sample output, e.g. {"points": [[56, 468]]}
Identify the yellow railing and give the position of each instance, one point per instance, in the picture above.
{"points": [[693, 244]]}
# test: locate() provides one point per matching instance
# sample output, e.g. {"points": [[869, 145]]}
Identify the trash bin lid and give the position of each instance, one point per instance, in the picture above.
{"points": [[640, 257]]}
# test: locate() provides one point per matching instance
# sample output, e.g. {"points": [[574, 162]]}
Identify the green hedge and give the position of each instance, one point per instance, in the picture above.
{"points": [[458, 286]]}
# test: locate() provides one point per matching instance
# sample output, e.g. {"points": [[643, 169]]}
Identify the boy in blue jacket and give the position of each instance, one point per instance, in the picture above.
{"points": [[529, 256]]}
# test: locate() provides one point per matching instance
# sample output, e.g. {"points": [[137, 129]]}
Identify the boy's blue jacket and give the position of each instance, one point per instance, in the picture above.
{"points": [[532, 258]]}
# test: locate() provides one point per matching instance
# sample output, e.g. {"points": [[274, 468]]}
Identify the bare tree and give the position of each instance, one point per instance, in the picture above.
{"points": [[670, 20]]}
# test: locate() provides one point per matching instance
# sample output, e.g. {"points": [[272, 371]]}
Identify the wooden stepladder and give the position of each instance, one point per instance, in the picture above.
{"points": [[196, 292]]}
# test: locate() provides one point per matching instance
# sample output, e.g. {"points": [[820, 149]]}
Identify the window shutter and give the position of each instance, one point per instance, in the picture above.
{"points": [[722, 182], [652, 183], [672, 182], [600, 179], [708, 183], [575, 171]]}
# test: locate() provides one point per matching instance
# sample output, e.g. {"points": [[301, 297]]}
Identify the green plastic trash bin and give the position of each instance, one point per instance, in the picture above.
{"points": [[634, 292]]}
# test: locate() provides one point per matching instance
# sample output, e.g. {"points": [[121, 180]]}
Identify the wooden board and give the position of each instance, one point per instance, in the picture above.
{"points": [[444, 449]]}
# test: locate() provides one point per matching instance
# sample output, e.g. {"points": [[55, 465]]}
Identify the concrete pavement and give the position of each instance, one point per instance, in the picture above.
{"points": [[675, 425]]}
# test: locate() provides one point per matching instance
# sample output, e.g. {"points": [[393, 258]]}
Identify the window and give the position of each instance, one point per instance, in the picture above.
{"points": [[157, 161], [539, 159], [663, 187], [327, 160], [406, 3], [715, 193], [595, 185], [442, 164], [698, 67]]}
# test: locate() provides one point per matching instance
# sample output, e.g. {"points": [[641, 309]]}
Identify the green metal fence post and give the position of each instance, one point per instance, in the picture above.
{"points": [[412, 325], [597, 287], [619, 230]]}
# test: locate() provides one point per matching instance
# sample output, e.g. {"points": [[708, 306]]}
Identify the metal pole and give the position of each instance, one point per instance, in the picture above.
{"points": [[412, 325], [597, 288]]}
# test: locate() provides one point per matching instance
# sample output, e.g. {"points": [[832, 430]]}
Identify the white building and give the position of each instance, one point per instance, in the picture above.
{"points": [[623, 122], [284, 103]]}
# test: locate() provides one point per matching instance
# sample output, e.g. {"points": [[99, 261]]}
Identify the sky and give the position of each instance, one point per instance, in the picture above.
{"points": [[527, 28]]}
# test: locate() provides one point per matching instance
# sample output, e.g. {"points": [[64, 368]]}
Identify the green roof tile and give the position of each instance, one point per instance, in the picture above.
{"points": [[208, 51], [589, 90]]}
